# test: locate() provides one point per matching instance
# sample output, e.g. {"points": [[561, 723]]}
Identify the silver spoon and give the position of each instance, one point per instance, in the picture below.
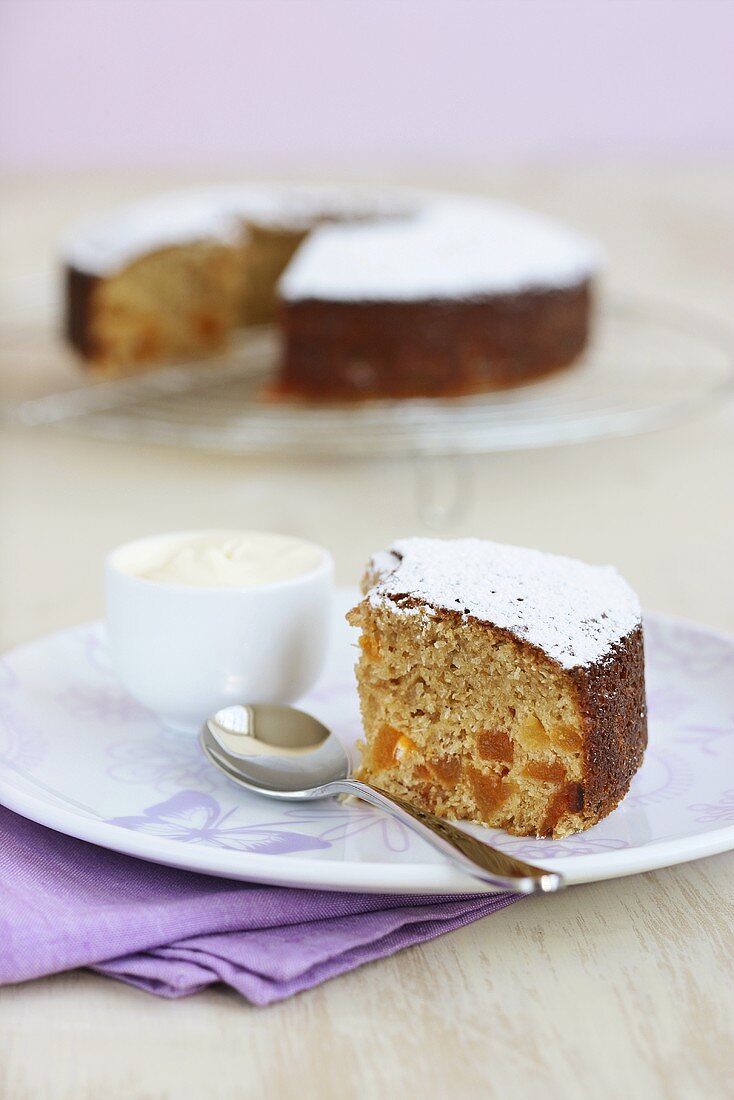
{"points": [[284, 753]]}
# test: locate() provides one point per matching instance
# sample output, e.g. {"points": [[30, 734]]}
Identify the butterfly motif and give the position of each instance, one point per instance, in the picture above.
{"points": [[663, 776], [722, 811], [557, 849], [22, 745], [347, 821], [96, 651], [169, 762], [105, 702], [665, 704], [694, 652], [707, 737], [196, 818]]}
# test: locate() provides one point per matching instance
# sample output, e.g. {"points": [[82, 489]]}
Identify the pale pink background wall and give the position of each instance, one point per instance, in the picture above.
{"points": [[304, 83]]}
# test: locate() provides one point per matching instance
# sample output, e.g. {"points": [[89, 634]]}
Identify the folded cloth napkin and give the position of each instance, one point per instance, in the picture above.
{"points": [[65, 903]]}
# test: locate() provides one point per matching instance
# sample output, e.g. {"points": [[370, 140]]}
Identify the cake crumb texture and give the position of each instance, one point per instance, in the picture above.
{"points": [[176, 303]]}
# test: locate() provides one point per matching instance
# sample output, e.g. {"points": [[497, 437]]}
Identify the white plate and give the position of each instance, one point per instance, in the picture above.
{"points": [[77, 754]]}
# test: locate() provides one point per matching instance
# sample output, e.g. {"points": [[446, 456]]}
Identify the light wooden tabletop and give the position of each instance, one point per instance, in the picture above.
{"points": [[622, 988]]}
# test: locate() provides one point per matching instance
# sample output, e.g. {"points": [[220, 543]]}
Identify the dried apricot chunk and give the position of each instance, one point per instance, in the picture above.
{"points": [[568, 799], [369, 645], [490, 790], [546, 773], [568, 737], [533, 733], [404, 747], [445, 770], [495, 745], [384, 745]]}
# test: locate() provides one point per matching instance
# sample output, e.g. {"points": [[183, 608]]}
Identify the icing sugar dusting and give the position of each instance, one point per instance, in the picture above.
{"points": [[572, 611], [456, 247], [106, 244], [377, 243]]}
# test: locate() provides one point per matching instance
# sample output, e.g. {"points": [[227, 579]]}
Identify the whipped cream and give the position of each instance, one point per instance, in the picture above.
{"points": [[222, 559]]}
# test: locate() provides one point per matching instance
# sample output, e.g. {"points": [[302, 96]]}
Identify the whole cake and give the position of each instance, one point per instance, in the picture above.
{"points": [[378, 293], [500, 685]]}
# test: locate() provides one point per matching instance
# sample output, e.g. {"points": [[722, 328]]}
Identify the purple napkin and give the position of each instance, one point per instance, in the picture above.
{"points": [[65, 903]]}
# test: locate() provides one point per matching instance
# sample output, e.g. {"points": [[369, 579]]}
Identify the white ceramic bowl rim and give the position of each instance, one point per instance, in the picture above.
{"points": [[326, 565]]}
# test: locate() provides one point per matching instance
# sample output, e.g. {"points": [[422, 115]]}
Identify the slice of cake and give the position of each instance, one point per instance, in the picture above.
{"points": [[500, 685], [159, 282]]}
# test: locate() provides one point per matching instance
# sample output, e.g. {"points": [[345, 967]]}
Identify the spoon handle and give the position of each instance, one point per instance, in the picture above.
{"points": [[490, 866]]}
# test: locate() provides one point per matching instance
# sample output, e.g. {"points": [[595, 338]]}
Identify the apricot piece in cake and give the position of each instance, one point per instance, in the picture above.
{"points": [[545, 773], [445, 770], [383, 747], [568, 799], [495, 745], [369, 645], [405, 747], [533, 734], [490, 790]]}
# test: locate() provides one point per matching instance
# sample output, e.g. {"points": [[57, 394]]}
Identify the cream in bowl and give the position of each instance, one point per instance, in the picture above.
{"points": [[201, 619]]}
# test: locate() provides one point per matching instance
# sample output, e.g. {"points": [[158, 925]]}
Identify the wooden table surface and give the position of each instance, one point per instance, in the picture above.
{"points": [[622, 988]]}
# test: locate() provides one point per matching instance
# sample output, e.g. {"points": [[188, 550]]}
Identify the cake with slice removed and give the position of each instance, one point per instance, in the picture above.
{"points": [[500, 685], [377, 293]]}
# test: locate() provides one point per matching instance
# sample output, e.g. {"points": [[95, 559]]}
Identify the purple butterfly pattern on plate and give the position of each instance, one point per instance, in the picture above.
{"points": [[22, 744], [696, 651], [345, 821], [167, 762], [721, 811], [708, 738], [665, 703], [665, 775], [105, 702], [578, 845], [196, 818]]}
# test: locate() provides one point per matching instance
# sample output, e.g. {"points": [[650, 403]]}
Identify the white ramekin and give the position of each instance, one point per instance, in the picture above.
{"points": [[185, 651]]}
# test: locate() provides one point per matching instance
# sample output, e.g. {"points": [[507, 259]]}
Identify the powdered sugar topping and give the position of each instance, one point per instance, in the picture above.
{"points": [[456, 248], [378, 243], [572, 611], [106, 244]]}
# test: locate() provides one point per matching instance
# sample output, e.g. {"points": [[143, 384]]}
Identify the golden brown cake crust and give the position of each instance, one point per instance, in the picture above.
{"points": [[358, 350], [611, 698], [78, 297]]}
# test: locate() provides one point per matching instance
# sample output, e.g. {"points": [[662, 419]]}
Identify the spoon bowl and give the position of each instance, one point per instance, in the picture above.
{"points": [[276, 750]]}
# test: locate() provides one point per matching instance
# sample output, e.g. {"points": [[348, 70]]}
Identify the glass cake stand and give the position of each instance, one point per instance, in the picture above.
{"points": [[648, 366]]}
